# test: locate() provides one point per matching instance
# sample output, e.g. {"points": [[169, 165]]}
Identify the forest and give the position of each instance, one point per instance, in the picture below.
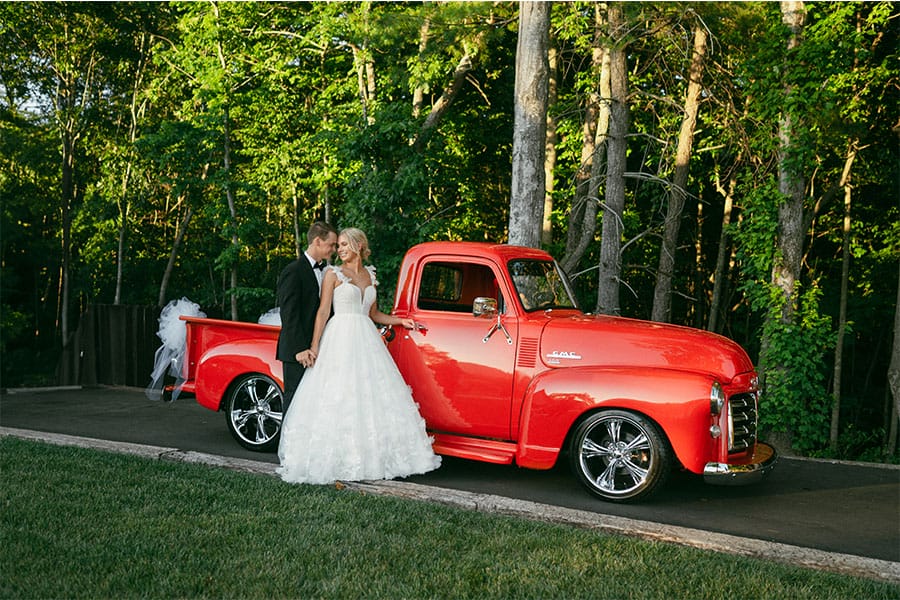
{"points": [[730, 166]]}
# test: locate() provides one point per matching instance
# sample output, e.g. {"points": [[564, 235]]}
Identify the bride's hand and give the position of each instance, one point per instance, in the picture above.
{"points": [[306, 358], [408, 323]]}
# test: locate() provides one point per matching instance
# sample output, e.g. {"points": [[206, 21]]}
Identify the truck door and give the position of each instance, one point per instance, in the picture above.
{"points": [[460, 366]]}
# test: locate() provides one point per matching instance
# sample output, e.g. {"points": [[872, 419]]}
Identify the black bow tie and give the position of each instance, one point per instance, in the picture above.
{"points": [[320, 265]]}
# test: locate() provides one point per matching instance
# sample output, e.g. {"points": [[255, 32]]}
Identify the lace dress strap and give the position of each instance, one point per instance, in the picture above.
{"points": [[344, 279], [340, 274]]}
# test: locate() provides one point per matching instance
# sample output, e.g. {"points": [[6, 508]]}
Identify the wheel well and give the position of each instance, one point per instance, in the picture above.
{"points": [[564, 451], [228, 390], [239, 378]]}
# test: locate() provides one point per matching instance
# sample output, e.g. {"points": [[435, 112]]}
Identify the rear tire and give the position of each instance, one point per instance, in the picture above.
{"points": [[253, 411], [620, 456]]}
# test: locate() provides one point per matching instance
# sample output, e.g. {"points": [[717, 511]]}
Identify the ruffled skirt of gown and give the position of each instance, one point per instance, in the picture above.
{"points": [[353, 416]]}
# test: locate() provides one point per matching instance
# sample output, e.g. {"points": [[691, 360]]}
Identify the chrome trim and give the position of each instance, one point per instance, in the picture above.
{"points": [[716, 398], [554, 356], [764, 459], [741, 422]]}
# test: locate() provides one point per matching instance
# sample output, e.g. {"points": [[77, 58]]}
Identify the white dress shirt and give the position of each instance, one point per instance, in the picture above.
{"points": [[319, 273]]}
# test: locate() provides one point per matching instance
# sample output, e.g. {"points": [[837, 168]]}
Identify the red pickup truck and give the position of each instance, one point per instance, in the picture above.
{"points": [[507, 369]]}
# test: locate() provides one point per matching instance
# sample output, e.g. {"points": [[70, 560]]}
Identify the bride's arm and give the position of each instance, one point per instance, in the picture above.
{"points": [[383, 319], [378, 316], [329, 281]]}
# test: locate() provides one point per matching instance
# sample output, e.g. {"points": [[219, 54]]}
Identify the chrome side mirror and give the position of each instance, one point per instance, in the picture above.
{"points": [[484, 307]]}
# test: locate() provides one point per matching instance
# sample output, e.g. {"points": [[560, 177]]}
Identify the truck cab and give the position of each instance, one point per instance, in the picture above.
{"points": [[507, 368]]}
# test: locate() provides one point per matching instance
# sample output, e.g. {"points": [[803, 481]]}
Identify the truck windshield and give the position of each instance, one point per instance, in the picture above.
{"points": [[541, 285]]}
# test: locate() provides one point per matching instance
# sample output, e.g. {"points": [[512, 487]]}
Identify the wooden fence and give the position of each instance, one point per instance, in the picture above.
{"points": [[113, 345]]}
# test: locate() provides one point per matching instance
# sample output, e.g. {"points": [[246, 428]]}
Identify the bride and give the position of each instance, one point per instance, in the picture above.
{"points": [[353, 416]]}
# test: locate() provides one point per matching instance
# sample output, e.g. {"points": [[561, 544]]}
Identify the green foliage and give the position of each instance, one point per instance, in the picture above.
{"points": [[796, 400], [819, 87], [861, 445], [755, 235]]}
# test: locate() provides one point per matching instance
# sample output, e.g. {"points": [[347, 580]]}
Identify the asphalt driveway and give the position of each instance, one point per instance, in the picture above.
{"points": [[846, 509]]}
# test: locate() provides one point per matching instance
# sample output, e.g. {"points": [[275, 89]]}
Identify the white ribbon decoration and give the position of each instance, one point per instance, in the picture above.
{"points": [[170, 356]]}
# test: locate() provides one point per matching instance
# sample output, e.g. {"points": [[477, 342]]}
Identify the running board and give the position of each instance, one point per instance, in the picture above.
{"points": [[491, 451]]}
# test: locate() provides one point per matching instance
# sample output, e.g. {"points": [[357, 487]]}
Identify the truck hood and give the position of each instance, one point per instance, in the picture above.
{"points": [[599, 340]]}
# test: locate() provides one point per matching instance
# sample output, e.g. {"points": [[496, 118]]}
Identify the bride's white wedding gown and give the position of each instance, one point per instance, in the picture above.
{"points": [[353, 416]]}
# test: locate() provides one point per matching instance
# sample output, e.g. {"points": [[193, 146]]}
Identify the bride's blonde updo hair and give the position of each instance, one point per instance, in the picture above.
{"points": [[357, 241]]}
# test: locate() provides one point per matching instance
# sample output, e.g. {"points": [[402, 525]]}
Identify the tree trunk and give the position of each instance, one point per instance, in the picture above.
{"points": [[226, 158], [123, 227], [295, 220], [419, 91], [69, 104], [365, 71], [715, 307], [67, 200], [695, 311], [463, 67], [790, 231], [361, 83], [791, 184], [610, 271], [179, 236], [894, 368], [662, 294], [550, 149], [232, 209], [173, 254], [842, 318], [583, 216], [365, 81], [135, 114], [530, 126], [893, 374]]}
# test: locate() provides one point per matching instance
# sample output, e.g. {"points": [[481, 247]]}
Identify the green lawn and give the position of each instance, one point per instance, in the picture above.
{"points": [[81, 523]]}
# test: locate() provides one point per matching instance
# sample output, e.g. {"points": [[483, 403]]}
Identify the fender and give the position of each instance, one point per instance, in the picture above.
{"points": [[223, 364], [557, 399]]}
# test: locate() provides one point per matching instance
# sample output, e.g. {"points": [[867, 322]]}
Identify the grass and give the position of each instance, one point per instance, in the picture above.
{"points": [[80, 523]]}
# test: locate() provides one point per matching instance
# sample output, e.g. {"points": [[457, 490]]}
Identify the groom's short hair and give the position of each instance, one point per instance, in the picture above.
{"points": [[320, 230]]}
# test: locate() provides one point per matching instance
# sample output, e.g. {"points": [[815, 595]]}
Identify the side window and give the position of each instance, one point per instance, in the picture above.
{"points": [[453, 287], [440, 288]]}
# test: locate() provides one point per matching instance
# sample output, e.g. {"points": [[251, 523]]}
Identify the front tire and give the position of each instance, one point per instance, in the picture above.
{"points": [[253, 411], [620, 456]]}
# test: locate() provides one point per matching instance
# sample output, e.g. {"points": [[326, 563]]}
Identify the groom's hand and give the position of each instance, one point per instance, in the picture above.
{"points": [[306, 358]]}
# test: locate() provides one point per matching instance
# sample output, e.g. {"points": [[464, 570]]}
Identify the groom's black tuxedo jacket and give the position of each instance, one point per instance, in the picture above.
{"points": [[298, 302]]}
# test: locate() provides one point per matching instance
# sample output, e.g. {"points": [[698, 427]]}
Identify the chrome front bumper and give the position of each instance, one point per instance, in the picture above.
{"points": [[754, 470]]}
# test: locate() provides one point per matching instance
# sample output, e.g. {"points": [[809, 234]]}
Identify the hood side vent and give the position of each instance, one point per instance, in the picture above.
{"points": [[528, 350]]}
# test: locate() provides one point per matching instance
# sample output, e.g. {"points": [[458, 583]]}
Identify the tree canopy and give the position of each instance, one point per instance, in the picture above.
{"points": [[156, 150]]}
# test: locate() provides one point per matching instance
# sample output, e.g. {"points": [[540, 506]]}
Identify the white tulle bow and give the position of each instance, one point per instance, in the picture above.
{"points": [[170, 356], [270, 317]]}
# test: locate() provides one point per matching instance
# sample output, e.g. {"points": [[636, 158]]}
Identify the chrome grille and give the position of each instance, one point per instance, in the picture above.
{"points": [[741, 422]]}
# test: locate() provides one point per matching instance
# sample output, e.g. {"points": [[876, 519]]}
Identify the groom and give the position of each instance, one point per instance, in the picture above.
{"points": [[298, 300]]}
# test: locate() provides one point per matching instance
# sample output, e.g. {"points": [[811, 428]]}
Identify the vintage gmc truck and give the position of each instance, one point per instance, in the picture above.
{"points": [[507, 369]]}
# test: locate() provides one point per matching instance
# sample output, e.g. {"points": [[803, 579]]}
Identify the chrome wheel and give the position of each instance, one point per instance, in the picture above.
{"points": [[620, 456], [253, 412]]}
